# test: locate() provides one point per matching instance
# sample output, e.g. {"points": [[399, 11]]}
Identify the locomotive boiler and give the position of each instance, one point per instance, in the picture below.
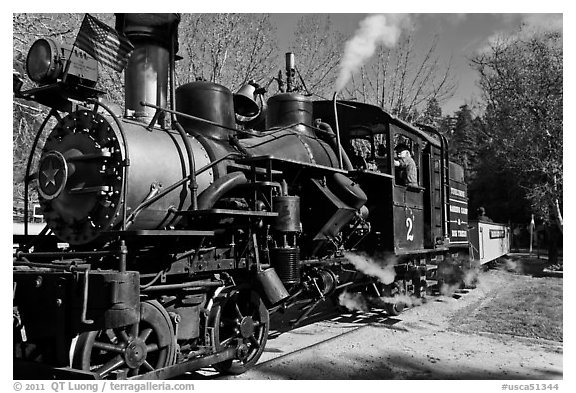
{"points": [[176, 226]]}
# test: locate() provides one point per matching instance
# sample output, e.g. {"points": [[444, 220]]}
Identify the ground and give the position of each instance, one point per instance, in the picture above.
{"points": [[508, 327]]}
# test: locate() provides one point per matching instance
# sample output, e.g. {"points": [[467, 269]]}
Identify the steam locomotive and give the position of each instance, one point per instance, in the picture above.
{"points": [[174, 229]]}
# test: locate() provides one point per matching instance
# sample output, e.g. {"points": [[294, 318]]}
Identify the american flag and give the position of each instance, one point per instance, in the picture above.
{"points": [[104, 43]]}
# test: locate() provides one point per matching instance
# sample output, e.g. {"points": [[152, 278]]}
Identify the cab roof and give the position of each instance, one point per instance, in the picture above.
{"points": [[360, 119]]}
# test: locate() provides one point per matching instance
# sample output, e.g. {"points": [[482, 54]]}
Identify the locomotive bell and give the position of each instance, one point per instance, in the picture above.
{"points": [[244, 102]]}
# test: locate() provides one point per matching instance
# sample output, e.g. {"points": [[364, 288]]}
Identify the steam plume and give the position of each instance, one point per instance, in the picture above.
{"points": [[471, 277], [353, 301], [383, 271], [409, 301], [459, 274], [373, 30], [449, 289], [512, 265]]}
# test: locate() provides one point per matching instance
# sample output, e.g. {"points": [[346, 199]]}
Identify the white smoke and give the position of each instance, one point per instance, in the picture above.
{"points": [[512, 265], [471, 277], [449, 289], [353, 301], [373, 30], [409, 301], [383, 271], [467, 275]]}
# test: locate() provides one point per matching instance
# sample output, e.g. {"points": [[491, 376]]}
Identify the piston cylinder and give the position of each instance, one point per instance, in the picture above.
{"points": [[325, 281]]}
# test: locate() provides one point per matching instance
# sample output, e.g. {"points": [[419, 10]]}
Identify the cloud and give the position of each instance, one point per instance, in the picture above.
{"points": [[456, 19], [549, 22], [453, 19], [530, 25]]}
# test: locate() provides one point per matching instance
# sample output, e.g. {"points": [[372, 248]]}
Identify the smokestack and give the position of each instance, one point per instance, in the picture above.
{"points": [[146, 76]]}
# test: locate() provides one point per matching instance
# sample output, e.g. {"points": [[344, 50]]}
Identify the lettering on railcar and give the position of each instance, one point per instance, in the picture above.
{"points": [[497, 233]]}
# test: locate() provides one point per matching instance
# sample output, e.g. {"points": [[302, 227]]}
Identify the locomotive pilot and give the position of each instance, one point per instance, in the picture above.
{"points": [[406, 173]]}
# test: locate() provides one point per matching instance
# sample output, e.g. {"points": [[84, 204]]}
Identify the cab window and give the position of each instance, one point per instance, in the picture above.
{"points": [[401, 172], [369, 153]]}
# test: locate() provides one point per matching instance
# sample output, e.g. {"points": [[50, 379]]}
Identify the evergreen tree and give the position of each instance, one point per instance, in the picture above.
{"points": [[464, 141], [432, 114]]}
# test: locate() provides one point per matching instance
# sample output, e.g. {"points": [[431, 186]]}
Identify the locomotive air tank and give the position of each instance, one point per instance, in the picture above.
{"points": [[94, 162]]}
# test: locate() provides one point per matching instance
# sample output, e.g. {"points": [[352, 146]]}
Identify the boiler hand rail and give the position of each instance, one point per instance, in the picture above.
{"points": [[247, 132], [187, 116]]}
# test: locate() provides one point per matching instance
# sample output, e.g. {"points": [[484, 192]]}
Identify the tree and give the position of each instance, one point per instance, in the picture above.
{"points": [[318, 49], [27, 116], [402, 80], [521, 78], [229, 49], [432, 114], [493, 185], [464, 140]]}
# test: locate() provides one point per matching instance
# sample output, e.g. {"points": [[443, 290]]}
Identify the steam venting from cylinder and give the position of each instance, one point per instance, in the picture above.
{"points": [[146, 76]]}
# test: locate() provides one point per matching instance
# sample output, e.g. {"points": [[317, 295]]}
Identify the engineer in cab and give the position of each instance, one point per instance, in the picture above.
{"points": [[407, 174]]}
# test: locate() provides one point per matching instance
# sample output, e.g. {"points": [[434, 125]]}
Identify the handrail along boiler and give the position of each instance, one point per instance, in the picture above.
{"points": [[182, 239]]}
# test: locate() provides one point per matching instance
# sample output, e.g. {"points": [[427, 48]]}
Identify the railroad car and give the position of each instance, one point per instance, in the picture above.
{"points": [[488, 240], [176, 226]]}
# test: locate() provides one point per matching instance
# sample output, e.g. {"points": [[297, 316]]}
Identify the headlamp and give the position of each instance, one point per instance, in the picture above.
{"points": [[44, 63], [48, 62]]}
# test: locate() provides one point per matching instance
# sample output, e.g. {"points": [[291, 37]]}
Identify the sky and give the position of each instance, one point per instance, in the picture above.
{"points": [[460, 37]]}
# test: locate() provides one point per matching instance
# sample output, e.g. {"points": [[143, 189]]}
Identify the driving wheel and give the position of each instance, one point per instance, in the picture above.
{"points": [[130, 350], [240, 321]]}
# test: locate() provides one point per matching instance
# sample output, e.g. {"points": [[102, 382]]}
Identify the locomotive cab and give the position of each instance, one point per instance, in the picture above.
{"points": [[400, 214], [408, 199]]}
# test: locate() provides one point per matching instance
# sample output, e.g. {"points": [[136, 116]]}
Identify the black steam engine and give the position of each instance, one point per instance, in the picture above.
{"points": [[175, 227]]}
